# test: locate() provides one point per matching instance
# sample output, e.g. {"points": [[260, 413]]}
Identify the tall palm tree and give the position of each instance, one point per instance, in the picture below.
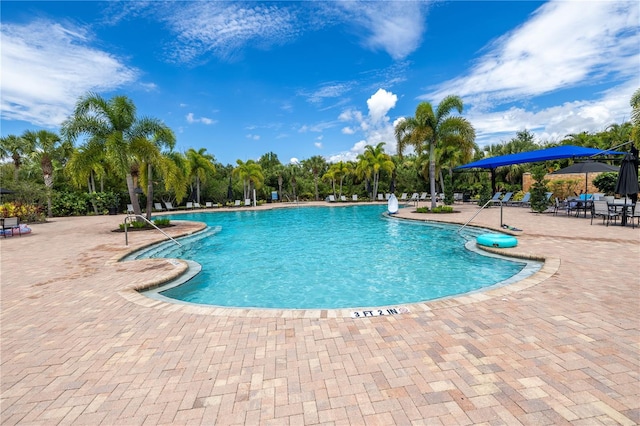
{"points": [[17, 148], [114, 123], [429, 128], [48, 147], [373, 161], [316, 165], [201, 164]]}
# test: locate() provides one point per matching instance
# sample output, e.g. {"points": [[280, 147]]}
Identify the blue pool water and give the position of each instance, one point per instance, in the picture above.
{"points": [[327, 257]]}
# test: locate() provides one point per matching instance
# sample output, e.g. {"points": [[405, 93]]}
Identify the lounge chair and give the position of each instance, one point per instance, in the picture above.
{"points": [[11, 224], [343, 198], [601, 208], [130, 209], [208, 204], [414, 197], [387, 196], [169, 205], [247, 202], [237, 204], [496, 197], [524, 202], [380, 197], [197, 205], [354, 197], [403, 197], [423, 196], [331, 198], [189, 205], [507, 197], [158, 206]]}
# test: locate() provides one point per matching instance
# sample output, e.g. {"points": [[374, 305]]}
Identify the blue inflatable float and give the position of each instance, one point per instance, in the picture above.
{"points": [[496, 240]]}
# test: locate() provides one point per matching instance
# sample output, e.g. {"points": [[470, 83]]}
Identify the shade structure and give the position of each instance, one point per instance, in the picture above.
{"points": [[555, 153], [586, 167], [627, 183]]}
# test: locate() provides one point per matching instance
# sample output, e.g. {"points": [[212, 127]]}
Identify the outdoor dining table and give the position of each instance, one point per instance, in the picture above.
{"points": [[579, 204], [624, 206]]}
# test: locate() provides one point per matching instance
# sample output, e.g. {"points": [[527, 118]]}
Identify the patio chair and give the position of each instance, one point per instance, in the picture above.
{"points": [[496, 197], [423, 196], [403, 197], [601, 208], [158, 206], [130, 209], [11, 224], [635, 214], [343, 198], [354, 197], [414, 197], [197, 205], [247, 202], [237, 204], [380, 197], [208, 204], [189, 205], [169, 205], [331, 198]]}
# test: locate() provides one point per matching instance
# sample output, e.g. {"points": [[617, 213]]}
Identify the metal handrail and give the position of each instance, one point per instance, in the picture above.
{"points": [[126, 233], [482, 208]]}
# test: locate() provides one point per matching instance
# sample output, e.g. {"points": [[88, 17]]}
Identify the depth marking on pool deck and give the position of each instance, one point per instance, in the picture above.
{"points": [[380, 312]]}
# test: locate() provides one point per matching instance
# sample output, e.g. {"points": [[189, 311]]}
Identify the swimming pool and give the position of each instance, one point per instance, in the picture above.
{"points": [[327, 258]]}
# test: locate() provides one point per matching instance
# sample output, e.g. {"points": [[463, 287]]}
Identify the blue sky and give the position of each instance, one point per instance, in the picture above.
{"points": [[322, 78]]}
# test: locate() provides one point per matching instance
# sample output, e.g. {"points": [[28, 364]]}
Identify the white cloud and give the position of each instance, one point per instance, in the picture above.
{"points": [[565, 44], [318, 145], [379, 105], [376, 125], [204, 120], [253, 137], [47, 66], [224, 28], [393, 26]]}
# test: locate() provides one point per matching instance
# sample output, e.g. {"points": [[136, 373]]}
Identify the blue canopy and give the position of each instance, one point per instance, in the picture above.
{"points": [[555, 153]]}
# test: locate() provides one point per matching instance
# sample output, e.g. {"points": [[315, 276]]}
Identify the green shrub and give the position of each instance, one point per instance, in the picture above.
{"points": [[442, 209], [422, 210], [162, 222], [27, 213], [69, 204]]}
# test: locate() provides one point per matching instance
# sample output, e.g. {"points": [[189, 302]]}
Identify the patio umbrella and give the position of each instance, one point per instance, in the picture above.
{"points": [[627, 183], [586, 168], [230, 190]]}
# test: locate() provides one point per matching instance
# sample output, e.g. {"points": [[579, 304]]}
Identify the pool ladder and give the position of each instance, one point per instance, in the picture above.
{"points": [[139, 216]]}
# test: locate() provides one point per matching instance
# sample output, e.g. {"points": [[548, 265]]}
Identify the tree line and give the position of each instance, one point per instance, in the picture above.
{"points": [[106, 156]]}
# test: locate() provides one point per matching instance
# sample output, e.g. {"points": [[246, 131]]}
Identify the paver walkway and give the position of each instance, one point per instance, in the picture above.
{"points": [[79, 346]]}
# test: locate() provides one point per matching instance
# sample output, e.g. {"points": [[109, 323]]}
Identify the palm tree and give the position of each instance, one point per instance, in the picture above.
{"points": [[251, 175], [86, 165], [341, 170], [201, 164], [114, 123], [17, 148], [316, 165], [429, 128], [48, 148], [372, 162]]}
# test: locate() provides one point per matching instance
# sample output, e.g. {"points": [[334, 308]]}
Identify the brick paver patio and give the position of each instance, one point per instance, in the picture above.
{"points": [[80, 346]]}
